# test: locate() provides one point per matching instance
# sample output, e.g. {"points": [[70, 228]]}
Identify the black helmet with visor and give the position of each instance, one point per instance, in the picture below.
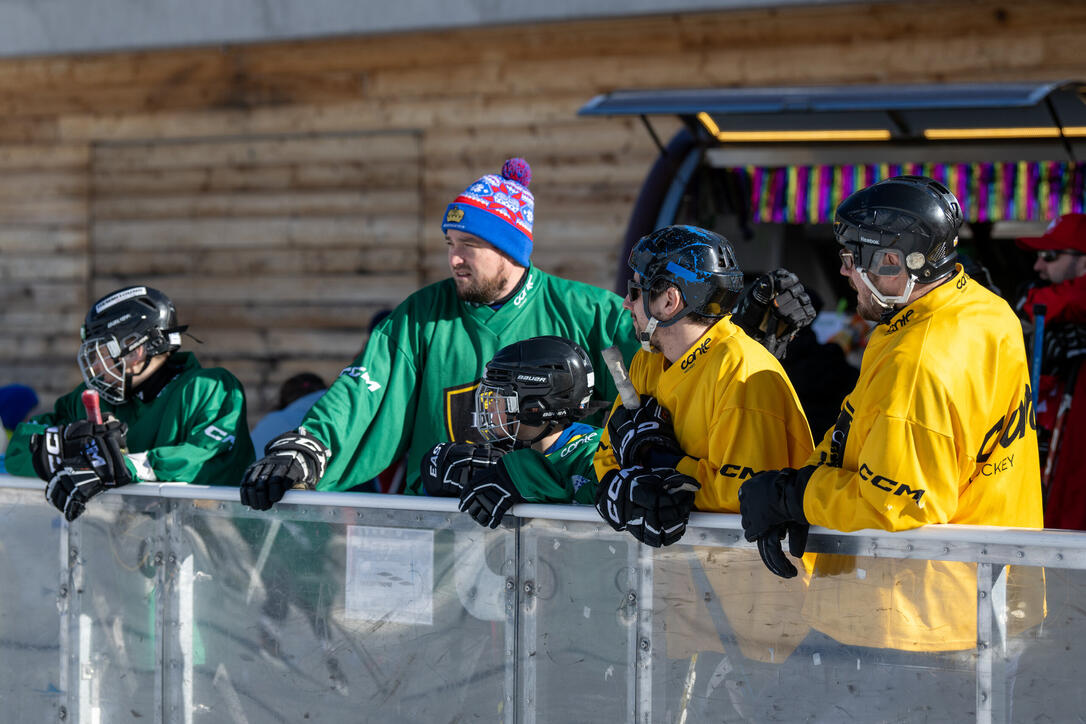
{"points": [[699, 263], [914, 218]]}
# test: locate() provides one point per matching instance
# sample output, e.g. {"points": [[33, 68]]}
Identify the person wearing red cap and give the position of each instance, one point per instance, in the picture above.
{"points": [[1061, 393]]}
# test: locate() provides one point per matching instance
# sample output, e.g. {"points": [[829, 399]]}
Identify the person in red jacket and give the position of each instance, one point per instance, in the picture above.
{"points": [[1061, 391]]}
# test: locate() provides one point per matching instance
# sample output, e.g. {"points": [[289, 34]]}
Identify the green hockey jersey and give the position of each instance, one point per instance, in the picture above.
{"points": [[193, 431], [414, 384], [563, 473]]}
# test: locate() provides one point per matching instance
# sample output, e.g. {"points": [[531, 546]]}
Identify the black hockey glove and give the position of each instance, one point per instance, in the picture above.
{"points": [[70, 489], [83, 444], [487, 497], [295, 459], [653, 505], [771, 505], [1063, 348], [774, 309], [449, 466], [645, 436]]}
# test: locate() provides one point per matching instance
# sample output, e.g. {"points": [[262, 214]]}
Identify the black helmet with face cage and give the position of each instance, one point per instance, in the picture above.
{"points": [[118, 324], [536, 381]]}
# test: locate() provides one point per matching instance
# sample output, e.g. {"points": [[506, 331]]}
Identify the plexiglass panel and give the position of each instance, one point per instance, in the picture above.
{"points": [[33, 572], [117, 548], [578, 627], [318, 614], [174, 609], [1048, 682]]}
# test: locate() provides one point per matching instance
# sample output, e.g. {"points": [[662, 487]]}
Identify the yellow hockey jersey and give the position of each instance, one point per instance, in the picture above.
{"points": [[735, 414], [940, 428], [734, 410]]}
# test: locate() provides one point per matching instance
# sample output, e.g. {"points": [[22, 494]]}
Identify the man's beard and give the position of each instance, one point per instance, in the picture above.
{"points": [[866, 306], [483, 291], [869, 309]]}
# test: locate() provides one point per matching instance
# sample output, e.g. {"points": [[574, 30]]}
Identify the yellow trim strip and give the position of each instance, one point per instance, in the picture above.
{"points": [[873, 134], [951, 134], [877, 134]]}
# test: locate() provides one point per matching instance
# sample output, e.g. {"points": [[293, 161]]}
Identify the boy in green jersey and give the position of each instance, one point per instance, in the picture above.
{"points": [[528, 409], [166, 417]]}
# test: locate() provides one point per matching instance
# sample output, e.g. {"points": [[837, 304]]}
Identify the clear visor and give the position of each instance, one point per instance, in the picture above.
{"points": [[871, 259], [105, 362], [495, 415]]}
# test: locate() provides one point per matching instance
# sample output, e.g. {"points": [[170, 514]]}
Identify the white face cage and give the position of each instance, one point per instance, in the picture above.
{"points": [[104, 363], [495, 415]]}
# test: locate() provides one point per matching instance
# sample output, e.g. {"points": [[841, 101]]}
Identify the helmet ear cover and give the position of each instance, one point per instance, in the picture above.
{"points": [[531, 411], [157, 343], [535, 411]]}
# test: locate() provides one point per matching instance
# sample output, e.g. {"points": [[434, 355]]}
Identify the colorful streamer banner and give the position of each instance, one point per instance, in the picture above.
{"points": [[1015, 190]]}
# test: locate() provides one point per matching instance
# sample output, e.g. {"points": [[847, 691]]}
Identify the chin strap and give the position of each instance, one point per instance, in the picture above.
{"points": [[646, 336], [519, 444], [888, 304]]}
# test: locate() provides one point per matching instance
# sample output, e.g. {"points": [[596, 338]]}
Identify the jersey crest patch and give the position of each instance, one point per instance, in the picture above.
{"points": [[459, 406]]}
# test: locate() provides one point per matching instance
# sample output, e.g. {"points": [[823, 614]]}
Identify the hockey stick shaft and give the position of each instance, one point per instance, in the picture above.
{"points": [[1057, 428], [1039, 311], [613, 357]]}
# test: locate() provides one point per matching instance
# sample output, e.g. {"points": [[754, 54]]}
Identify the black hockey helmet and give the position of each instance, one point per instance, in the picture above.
{"points": [[537, 381], [121, 329], [699, 263], [915, 216]]}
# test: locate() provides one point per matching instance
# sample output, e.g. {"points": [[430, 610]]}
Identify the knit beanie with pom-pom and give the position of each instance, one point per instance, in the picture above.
{"points": [[498, 210]]}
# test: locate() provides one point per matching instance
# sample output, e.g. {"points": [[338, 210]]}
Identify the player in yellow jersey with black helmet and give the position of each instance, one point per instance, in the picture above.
{"points": [[939, 429], [716, 407]]}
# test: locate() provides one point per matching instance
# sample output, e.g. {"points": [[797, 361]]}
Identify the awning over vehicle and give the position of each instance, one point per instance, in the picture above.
{"points": [[1008, 150], [887, 113]]}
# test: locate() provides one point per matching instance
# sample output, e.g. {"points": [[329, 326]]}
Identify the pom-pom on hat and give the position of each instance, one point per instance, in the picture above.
{"points": [[499, 210]]}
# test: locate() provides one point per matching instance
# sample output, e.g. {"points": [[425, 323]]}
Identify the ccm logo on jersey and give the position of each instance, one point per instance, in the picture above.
{"points": [[693, 356], [361, 373], [519, 299], [737, 471], [218, 434], [890, 486]]}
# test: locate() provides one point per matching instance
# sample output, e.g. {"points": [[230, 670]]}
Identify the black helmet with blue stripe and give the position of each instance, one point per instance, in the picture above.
{"points": [[699, 263]]}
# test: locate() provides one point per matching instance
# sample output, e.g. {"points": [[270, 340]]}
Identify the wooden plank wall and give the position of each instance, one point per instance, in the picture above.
{"points": [[268, 188], [277, 250], [43, 264]]}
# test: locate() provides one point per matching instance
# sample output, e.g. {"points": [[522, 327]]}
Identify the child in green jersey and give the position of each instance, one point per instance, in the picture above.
{"points": [[528, 409], [166, 417]]}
